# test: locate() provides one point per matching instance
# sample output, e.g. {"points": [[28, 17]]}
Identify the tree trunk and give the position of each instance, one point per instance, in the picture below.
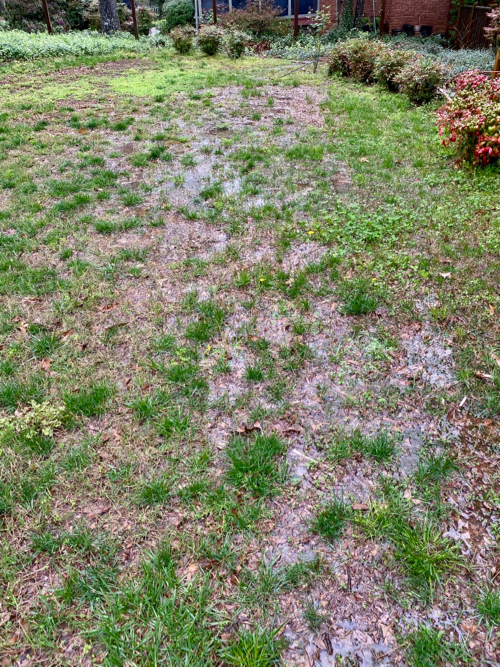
{"points": [[2, 6], [109, 16], [360, 10]]}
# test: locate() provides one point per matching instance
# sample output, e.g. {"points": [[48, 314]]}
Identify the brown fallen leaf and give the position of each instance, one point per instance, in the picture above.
{"points": [[45, 364], [361, 507], [483, 376]]}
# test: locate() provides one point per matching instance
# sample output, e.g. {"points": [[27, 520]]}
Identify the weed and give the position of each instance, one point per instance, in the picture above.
{"points": [[14, 393], [430, 648], [146, 407], [314, 617], [253, 463], [210, 320], [174, 423], [154, 492], [488, 606], [426, 555], [259, 648], [45, 345], [330, 520], [91, 402], [434, 468], [254, 373], [357, 298], [380, 447]]}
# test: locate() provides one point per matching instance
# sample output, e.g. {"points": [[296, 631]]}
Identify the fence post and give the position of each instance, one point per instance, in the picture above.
{"points": [[47, 16], [134, 19]]}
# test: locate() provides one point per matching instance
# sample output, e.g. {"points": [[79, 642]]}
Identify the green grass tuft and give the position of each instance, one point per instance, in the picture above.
{"points": [[331, 519], [91, 402], [254, 463]]}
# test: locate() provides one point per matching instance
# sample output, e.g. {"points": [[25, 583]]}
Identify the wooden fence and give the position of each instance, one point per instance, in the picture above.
{"points": [[472, 20]]}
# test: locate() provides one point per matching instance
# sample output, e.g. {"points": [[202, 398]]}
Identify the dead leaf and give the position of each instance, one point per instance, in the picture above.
{"points": [[360, 507], [483, 376], [248, 429], [45, 364]]}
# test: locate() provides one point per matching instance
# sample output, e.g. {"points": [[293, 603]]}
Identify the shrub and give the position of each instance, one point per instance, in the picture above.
{"points": [[27, 15], [493, 30], [356, 58], [388, 65], [182, 39], [258, 17], [471, 119], [235, 43], [177, 13], [420, 79], [145, 19], [209, 39]]}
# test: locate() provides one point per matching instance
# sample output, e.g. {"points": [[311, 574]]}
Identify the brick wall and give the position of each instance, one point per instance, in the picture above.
{"points": [[399, 12], [418, 12]]}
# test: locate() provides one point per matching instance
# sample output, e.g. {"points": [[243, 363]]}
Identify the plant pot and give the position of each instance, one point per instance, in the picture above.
{"points": [[409, 29], [425, 30]]}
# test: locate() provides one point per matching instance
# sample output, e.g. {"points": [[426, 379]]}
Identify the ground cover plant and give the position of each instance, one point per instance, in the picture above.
{"points": [[249, 370], [20, 45]]}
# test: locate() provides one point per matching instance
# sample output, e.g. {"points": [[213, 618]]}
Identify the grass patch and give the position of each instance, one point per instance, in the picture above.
{"points": [[254, 465], [330, 521], [91, 402], [429, 647]]}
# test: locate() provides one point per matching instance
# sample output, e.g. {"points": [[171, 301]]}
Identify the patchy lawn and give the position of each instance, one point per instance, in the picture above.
{"points": [[250, 372]]}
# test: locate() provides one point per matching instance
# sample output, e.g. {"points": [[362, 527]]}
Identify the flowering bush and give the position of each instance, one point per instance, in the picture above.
{"points": [[420, 79], [182, 39], [389, 64], [209, 39], [471, 119], [356, 58], [493, 30]]}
